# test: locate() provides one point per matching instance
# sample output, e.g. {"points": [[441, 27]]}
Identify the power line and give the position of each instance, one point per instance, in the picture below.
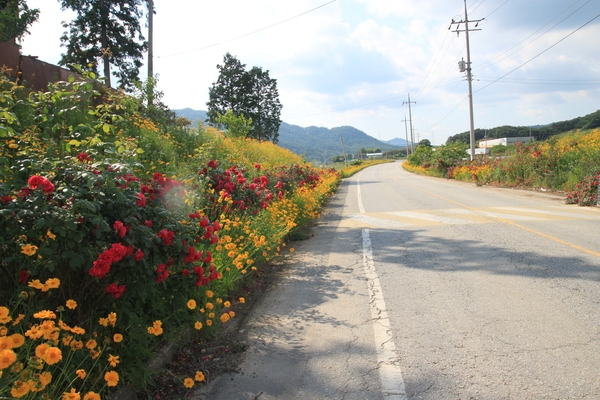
{"points": [[539, 54], [250, 33], [500, 6]]}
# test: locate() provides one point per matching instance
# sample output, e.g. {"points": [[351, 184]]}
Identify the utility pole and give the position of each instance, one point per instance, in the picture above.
{"points": [[151, 82], [406, 133], [412, 138], [344, 150], [462, 68]]}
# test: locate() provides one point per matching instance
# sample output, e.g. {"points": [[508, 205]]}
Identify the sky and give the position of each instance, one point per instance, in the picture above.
{"points": [[356, 62]]}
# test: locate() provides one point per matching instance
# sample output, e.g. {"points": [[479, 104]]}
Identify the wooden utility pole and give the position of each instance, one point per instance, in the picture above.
{"points": [[406, 133]]}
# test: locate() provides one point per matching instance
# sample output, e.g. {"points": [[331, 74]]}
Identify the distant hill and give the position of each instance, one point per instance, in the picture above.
{"points": [[192, 115], [539, 132], [315, 144], [398, 142]]}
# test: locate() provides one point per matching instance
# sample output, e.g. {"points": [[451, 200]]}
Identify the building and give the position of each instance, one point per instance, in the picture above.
{"points": [[507, 141]]}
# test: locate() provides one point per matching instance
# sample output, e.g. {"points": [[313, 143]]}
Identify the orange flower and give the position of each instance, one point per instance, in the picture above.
{"points": [[113, 360], [188, 383], [117, 338], [81, 374], [71, 304], [111, 378], [71, 395], [40, 350], [4, 315], [91, 396], [199, 376], [198, 325], [16, 340], [45, 314], [191, 304], [7, 357], [19, 390], [53, 355]]}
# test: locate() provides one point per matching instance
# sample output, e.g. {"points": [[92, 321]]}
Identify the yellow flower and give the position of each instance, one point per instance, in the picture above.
{"points": [[28, 249], [242, 300], [113, 360], [45, 314], [45, 378], [36, 284], [208, 322], [188, 383], [156, 329], [16, 340], [103, 322], [50, 235], [224, 317], [40, 350], [19, 390], [91, 396], [7, 357], [191, 304], [199, 376], [53, 355], [209, 294], [81, 374], [112, 318], [71, 395], [18, 319], [4, 317], [209, 306], [111, 378], [117, 338], [198, 325], [91, 344], [71, 304], [211, 315], [291, 249], [231, 314], [52, 283]]}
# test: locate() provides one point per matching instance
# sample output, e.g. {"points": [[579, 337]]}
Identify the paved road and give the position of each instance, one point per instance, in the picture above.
{"points": [[423, 288]]}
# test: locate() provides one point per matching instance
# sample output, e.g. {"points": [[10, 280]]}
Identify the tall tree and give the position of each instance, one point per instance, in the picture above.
{"points": [[15, 19], [108, 30], [251, 94]]}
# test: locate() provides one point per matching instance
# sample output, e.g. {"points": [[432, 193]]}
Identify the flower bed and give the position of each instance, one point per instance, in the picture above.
{"points": [[119, 231]]}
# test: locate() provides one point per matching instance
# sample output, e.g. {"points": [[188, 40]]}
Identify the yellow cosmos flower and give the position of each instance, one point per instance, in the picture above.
{"points": [[209, 322], [209, 294], [227, 304], [111, 378], [18, 319], [91, 344], [103, 322], [41, 349], [198, 325], [113, 360], [52, 283], [53, 355], [71, 304], [19, 390], [45, 314], [231, 314], [16, 340], [28, 249], [191, 304], [224, 318], [81, 374], [91, 396], [117, 338], [112, 319], [188, 383], [50, 235], [7, 357], [209, 306], [71, 395], [199, 376], [4, 315], [242, 300]]}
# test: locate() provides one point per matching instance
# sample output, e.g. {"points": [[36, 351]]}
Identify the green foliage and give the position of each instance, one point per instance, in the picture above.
{"points": [[498, 150], [251, 94], [235, 126], [109, 30], [15, 19]]}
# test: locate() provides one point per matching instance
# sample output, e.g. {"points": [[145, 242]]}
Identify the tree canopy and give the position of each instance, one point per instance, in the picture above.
{"points": [[251, 94], [15, 19], [109, 30]]}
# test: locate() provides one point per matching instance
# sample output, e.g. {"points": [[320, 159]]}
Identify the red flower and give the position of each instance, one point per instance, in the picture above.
{"points": [[162, 272], [148, 223], [84, 157], [139, 254], [115, 290], [120, 228], [101, 267], [38, 181], [213, 164], [141, 201], [257, 166], [23, 276], [166, 236]]}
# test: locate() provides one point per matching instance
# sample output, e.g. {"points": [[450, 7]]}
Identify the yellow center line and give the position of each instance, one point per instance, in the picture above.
{"points": [[505, 221]]}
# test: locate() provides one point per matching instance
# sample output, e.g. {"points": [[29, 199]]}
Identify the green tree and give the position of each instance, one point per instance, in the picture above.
{"points": [[108, 30], [15, 19], [425, 142], [235, 126], [251, 94]]}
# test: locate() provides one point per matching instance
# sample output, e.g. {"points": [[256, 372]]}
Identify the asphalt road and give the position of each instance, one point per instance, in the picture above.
{"points": [[423, 288]]}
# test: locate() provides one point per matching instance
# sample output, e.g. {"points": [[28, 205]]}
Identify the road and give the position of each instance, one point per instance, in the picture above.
{"points": [[423, 288]]}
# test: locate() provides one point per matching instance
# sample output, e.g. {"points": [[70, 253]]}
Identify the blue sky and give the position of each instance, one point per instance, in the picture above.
{"points": [[354, 62]]}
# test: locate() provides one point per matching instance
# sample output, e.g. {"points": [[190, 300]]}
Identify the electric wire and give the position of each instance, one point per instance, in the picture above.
{"points": [[247, 34], [539, 54]]}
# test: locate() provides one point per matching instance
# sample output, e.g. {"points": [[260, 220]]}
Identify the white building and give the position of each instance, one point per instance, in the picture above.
{"points": [[507, 141]]}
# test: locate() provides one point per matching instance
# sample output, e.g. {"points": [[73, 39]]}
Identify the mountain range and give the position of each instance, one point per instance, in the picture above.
{"points": [[316, 144]]}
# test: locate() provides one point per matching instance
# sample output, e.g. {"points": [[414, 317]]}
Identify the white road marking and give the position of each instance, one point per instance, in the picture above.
{"points": [[390, 373]]}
